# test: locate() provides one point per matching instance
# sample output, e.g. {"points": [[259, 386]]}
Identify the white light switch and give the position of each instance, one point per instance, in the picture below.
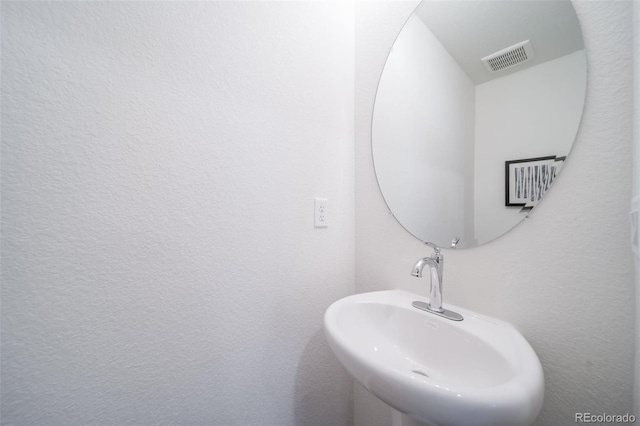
{"points": [[320, 213]]}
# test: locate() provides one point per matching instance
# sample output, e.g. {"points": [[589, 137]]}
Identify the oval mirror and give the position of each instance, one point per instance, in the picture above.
{"points": [[477, 107]]}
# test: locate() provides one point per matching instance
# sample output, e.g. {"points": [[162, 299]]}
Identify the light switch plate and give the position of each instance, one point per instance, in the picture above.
{"points": [[320, 213]]}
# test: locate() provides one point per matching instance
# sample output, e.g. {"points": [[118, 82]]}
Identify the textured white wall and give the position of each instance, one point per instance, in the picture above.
{"points": [[542, 105], [423, 132], [159, 163], [563, 277]]}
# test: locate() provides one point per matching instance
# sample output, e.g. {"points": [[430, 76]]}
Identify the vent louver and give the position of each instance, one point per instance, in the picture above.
{"points": [[509, 57]]}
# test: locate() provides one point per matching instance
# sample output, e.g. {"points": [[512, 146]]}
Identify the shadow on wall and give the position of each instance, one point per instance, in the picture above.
{"points": [[323, 390]]}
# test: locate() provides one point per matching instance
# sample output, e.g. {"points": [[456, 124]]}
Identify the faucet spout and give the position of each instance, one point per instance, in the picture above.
{"points": [[419, 266]]}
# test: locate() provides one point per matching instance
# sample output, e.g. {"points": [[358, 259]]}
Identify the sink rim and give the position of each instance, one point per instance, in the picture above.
{"points": [[525, 386]]}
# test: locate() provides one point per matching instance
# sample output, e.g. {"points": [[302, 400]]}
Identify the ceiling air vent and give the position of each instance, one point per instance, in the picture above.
{"points": [[509, 57]]}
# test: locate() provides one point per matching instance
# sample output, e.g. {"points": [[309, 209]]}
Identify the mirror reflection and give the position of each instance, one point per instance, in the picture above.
{"points": [[477, 108]]}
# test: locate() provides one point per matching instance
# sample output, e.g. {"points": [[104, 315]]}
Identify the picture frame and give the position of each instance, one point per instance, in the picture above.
{"points": [[528, 179]]}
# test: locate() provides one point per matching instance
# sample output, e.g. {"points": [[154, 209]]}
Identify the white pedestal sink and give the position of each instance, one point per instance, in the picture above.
{"points": [[479, 371]]}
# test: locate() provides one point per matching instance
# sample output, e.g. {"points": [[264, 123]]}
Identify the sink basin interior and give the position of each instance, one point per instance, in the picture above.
{"points": [[409, 341]]}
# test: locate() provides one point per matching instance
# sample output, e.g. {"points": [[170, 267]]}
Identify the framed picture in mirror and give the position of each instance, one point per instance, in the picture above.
{"points": [[527, 180]]}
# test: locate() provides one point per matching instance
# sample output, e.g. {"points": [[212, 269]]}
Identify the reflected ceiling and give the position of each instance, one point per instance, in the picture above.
{"points": [[485, 27]]}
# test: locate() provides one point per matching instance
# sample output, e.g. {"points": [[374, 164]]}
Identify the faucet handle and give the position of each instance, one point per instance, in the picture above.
{"points": [[455, 242], [436, 249]]}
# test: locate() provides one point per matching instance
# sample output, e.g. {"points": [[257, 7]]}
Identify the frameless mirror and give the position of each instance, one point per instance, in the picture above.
{"points": [[477, 107]]}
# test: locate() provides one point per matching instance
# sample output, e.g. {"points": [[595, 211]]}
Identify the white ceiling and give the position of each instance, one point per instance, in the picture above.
{"points": [[473, 29]]}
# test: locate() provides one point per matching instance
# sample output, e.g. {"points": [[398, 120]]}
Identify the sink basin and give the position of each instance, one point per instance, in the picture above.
{"points": [[478, 371]]}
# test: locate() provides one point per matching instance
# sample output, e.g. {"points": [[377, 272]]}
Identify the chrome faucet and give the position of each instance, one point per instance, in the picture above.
{"points": [[436, 266]]}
